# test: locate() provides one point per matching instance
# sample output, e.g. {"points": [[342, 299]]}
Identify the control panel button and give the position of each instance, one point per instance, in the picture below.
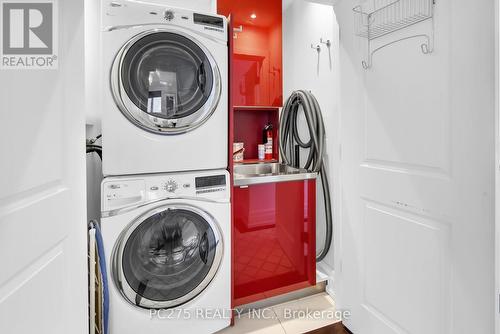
{"points": [[169, 15], [171, 186]]}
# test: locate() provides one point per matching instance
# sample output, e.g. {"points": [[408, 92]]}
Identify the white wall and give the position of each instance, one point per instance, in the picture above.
{"points": [[304, 23], [93, 82], [93, 89]]}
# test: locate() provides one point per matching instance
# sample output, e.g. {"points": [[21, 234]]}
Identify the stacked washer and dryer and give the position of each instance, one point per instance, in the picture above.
{"points": [[166, 193]]}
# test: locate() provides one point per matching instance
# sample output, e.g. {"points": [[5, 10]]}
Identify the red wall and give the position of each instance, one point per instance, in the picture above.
{"points": [[257, 55]]}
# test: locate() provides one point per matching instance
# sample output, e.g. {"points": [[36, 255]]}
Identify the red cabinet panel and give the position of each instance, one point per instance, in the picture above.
{"points": [[257, 51], [274, 239]]}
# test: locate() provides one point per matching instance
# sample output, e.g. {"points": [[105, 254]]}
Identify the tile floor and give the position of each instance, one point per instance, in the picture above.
{"points": [[288, 318]]}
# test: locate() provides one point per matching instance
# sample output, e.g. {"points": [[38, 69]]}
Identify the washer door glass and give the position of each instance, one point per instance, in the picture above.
{"points": [[168, 83], [169, 258]]}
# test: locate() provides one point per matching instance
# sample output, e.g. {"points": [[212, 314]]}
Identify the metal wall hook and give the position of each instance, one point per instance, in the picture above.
{"points": [[317, 47], [328, 43], [426, 47], [237, 30]]}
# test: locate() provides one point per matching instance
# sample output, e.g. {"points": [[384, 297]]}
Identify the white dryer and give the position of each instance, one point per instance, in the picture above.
{"points": [[165, 105], [167, 241]]}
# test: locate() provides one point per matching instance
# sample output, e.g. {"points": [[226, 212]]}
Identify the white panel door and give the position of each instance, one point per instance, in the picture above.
{"points": [[43, 280], [416, 232]]}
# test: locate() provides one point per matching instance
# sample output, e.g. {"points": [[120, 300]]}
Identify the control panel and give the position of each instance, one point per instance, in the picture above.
{"points": [[118, 192], [126, 13]]}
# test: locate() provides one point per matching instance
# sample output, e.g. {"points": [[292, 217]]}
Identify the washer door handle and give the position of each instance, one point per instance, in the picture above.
{"points": [[204, 248], [202, 77]]}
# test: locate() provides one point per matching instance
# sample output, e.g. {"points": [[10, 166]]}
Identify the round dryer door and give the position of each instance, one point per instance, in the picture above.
{"points": [[165, 82], [167, 257]]}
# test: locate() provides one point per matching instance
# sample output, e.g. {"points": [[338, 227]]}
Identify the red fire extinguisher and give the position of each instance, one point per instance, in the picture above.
{"points": [[267, 139]]}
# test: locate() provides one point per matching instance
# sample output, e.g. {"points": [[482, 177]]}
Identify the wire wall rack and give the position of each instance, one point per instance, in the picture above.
{"points": [[377, 18]]}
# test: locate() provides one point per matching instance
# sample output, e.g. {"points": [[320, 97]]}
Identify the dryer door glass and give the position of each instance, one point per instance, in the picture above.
{"points": [[170, 257], [167, 82]]}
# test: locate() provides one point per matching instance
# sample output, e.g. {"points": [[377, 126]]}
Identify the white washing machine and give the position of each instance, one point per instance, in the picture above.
{"points": [[167, 240], [165, 105]]}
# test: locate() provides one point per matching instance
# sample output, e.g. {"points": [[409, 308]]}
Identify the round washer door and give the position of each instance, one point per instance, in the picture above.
{"points": [[165, 82], [167, 256]]}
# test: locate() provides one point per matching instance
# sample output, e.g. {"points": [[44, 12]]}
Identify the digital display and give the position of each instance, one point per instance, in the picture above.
{"points": [[210, 181], [208, 20]]}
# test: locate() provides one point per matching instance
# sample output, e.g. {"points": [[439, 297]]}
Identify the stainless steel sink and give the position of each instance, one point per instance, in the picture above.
{"points": [[264, 169], [247, 174]]}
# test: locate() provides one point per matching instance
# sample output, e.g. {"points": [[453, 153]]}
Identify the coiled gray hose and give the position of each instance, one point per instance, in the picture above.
{"points": [[290, 140]]}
